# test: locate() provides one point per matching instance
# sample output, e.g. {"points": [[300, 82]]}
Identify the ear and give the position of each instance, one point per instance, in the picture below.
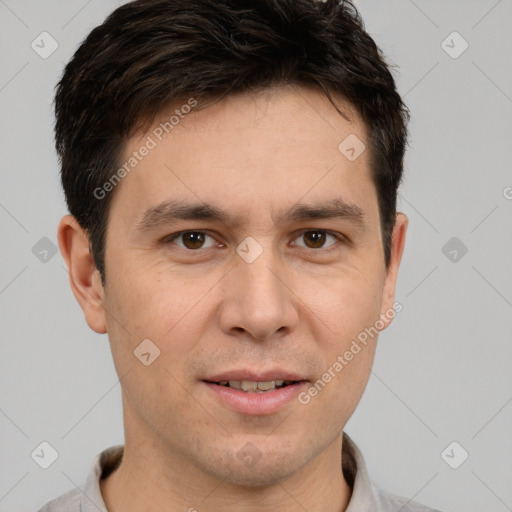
{"points": [[397, 248], [84, 278]]}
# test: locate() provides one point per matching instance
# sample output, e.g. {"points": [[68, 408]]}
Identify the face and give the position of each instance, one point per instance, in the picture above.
{"points": [[246, 247]]}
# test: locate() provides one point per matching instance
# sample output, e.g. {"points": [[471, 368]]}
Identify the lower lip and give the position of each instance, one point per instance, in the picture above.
{"points": [[268, 402]]}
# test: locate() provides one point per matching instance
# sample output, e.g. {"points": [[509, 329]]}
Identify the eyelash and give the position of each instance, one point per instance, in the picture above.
{"points": [[341, 239]]}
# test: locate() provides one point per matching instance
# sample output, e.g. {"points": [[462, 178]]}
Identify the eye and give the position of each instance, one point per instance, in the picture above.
{"points": [[316, 239], [191, 240], [195, 240]]}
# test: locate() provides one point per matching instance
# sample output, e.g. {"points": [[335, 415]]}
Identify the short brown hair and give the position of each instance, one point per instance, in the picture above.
{"points": [[149, 53]]}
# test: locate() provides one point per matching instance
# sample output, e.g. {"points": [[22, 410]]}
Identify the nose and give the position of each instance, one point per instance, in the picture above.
{"points": [[259, 302]]}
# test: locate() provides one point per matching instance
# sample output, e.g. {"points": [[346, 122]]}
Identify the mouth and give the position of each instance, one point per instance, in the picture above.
{"points": [[255, 394], [249, 386]]}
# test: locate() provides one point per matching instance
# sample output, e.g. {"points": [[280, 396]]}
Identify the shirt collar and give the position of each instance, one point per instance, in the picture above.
{"points": [[364, 495]]}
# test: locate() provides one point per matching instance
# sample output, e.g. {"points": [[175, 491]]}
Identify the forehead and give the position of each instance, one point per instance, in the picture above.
{"points": [[250, 153]]}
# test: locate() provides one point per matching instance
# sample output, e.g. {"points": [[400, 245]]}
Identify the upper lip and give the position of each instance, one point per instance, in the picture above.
{"points": [[253, 376]]}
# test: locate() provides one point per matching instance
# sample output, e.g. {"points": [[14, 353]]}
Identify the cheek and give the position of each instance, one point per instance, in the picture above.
{"points": [[145, 298], [347, 353], [345, 314], [167, 308], [345, 307]]}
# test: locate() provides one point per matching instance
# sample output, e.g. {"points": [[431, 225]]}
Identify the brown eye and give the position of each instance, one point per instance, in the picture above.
{"points": [[191, 240], [316, 239]]}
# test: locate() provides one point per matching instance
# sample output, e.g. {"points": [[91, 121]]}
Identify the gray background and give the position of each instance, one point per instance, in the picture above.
{"points": [[442, 371]]}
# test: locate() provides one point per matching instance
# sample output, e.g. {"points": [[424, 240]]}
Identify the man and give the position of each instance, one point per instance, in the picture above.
{"points": [[231, 170]]}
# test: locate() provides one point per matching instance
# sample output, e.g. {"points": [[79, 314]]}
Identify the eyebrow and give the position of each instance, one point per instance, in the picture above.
{"points": [[168, 212]]}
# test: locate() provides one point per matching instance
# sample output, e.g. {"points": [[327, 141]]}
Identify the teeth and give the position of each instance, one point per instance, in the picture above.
{"points": [[249, 386], [254, 387], [265, 386]]}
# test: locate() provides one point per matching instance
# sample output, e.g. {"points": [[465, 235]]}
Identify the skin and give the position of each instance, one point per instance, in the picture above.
{"points": [[298, 306]]}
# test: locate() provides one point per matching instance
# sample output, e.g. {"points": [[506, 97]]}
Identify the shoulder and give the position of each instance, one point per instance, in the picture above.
{"points": [[366, 495], [68, 502], [392, 503], [90, 498]]}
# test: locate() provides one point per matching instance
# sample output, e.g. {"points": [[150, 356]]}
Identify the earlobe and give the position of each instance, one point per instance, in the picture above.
{"points": [[397, 248], [84, 278]]}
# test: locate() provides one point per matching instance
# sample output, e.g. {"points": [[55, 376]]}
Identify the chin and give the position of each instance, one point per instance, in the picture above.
{"points": [[252, 479], [254, 469]]}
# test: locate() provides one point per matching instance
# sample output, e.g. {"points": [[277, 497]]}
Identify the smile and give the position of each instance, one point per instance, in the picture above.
{"points": [[253, 386], [255, 398]]}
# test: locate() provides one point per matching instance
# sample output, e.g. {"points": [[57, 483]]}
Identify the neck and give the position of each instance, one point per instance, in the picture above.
{"points": [[172, 485]]}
